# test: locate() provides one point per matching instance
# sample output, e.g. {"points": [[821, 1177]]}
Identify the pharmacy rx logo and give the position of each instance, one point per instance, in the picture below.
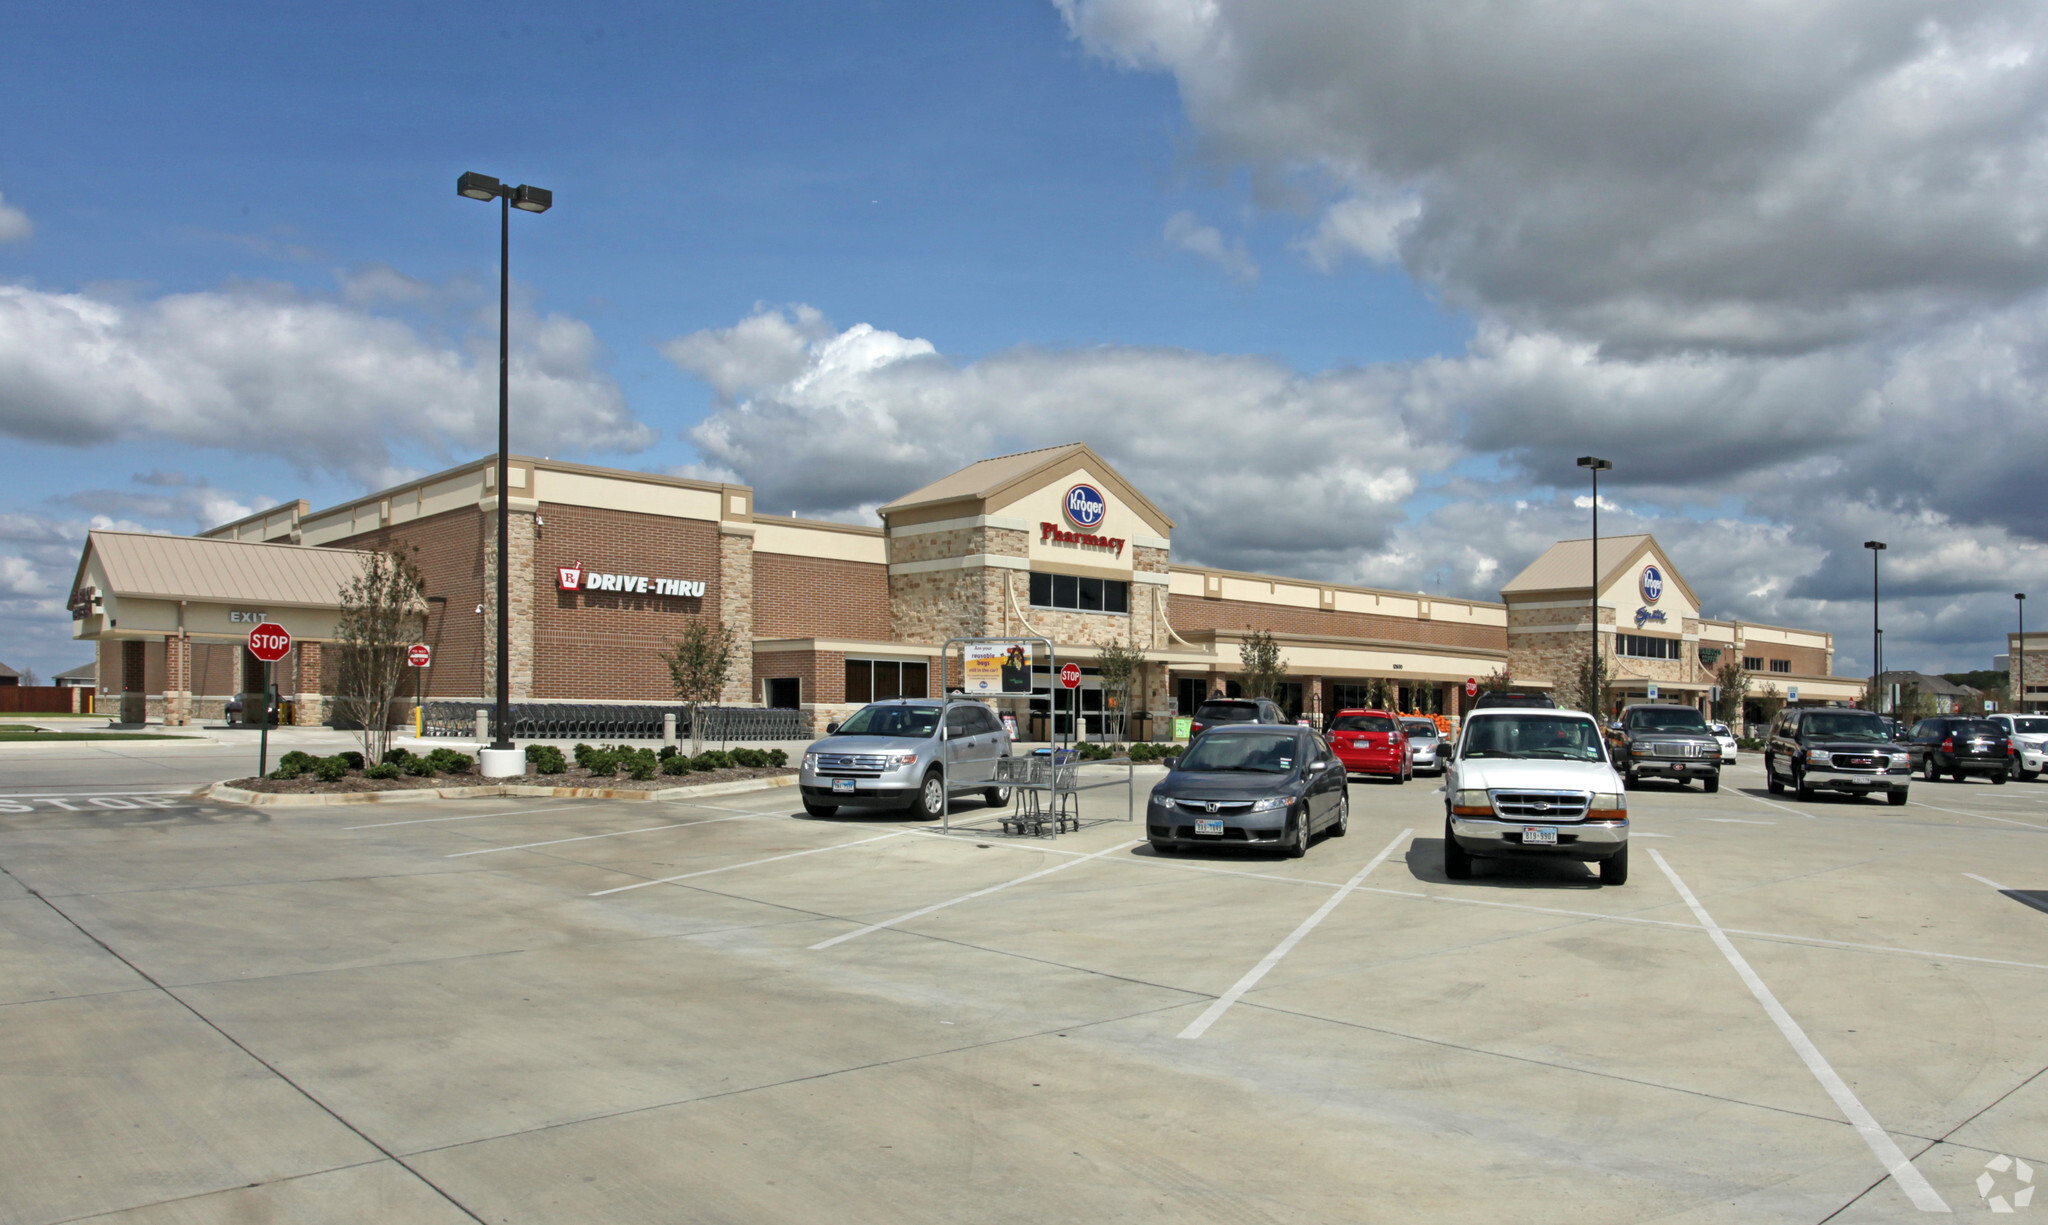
{"points": [[2006, 1184]]}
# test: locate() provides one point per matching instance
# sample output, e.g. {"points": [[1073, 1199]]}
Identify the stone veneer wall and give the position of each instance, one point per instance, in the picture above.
{"points": [[736, 608]]}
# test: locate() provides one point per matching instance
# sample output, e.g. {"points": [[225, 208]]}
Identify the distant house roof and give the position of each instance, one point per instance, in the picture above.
{"points": [[194, 568], [1929, 684], [8, 673], [86, 672]]}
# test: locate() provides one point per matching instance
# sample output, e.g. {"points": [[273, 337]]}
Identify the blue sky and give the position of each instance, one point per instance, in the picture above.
{"points": [[1424, 285]]}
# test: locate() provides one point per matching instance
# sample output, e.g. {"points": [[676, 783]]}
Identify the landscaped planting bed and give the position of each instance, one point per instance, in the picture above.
{"points": [[620, 767]]}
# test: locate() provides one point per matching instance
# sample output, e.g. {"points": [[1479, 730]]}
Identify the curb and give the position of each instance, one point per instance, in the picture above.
{"points": [[267, 799]]}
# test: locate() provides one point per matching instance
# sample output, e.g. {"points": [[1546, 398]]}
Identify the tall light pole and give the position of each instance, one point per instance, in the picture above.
{"points": [[1596, 466], [533, 200], [2020, 699], [1876, 634]]}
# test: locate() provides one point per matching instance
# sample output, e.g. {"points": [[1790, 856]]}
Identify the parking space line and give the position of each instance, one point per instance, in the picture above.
{"points": [[1908, 1176], [88, 795], [968, 897], [2022, 896], [474, 816], [1774, 804], [816, 850], [527, 846], [1200, 1025], [1987, 816]]}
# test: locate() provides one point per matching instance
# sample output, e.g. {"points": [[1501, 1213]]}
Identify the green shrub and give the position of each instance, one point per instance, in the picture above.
{"points": [[448, 761], [640, 769], [667, 751], [296, 760], [395, 757], [711, 759], [353, 758], [602, 763], [533, 752], [777, 758], [383, 769], [285, 773], [675, 763], [752, 759], [582, 753], [418, 767], [548, 761], [330, 769]]}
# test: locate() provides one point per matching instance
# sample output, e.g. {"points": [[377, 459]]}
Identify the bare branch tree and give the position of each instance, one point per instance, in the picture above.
{"points": [[383, 611], [699, 661], [1733, 679], [1119, 667]]}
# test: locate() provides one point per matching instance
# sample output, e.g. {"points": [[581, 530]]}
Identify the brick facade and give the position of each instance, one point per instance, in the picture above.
{"points": [[606, 645], [820, 597]]}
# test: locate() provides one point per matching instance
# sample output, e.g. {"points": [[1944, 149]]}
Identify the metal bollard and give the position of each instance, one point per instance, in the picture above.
{"points": [[483, 726], [668, 730]]}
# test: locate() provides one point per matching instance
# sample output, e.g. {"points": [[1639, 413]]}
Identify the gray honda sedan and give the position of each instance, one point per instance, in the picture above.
{"points": [[1255, 786]]}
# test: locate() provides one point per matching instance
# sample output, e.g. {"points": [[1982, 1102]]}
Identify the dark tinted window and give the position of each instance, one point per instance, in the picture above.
{"points": [[1080, 594], [1844, 724], [916, 721], [1415, 727], [1665, 719], [1362, 723], [1228, 712], [1977, 727], [1116, 596], [1256, 752]]}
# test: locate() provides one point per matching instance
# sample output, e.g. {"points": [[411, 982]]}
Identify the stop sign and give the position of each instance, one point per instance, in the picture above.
{"points": [[419, 655], [1471, 686], [269, 643], [1070, 676]]}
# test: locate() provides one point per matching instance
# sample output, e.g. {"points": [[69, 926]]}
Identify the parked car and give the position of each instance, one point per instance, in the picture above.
{"points": [[1500, 698], [1668, 742], [1425, 744], [2028, 737], [1536, 783], [1218, 711], [1726, 739], [1250, 785], [1371, 742], [1959, 746], [908, 753], [1829, 749]]}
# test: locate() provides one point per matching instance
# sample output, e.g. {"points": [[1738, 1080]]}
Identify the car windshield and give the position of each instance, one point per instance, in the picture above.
{"points": [[1557, 737], [1362, 723], [1255, 753], [915, 722], [2032, 727], [1846, 725], [1665, 719], [1228, 712], [1418, 728]]}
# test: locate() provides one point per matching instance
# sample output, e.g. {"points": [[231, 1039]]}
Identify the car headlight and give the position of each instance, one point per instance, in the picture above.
{"points": [[1818, 757], [901, 759], [1272, 802], [1639, 750], [1472, 803], [1902, 759], [1608, 806], [1164, 801], [810, 761]]}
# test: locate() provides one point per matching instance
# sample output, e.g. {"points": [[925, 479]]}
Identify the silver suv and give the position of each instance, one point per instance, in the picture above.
{"points": [[906, 754]]}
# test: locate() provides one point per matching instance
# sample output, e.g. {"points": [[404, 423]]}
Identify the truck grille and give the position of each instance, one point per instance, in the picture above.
{"points": [[1541, 806], [1859, 761], [1680, 749]]}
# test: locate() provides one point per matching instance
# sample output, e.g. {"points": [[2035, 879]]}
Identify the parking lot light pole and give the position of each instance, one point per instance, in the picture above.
{"points": [[533, 200], [1596, 466], [2019, 694], [1876, 634]]}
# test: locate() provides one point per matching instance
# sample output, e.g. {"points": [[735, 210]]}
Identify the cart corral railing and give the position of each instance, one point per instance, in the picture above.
{"points": [[596, 721]]}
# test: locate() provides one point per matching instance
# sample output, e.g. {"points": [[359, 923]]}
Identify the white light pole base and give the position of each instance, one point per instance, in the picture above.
{"points": [[500, 763]]}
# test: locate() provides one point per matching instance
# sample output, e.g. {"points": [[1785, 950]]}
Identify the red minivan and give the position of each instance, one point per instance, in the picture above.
{"points": [[1371, 742]]}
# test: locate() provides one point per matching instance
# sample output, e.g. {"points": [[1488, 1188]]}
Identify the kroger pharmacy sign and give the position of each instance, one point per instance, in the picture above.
{"points": [[576, 578], [1652, 584], [1085, 507]]}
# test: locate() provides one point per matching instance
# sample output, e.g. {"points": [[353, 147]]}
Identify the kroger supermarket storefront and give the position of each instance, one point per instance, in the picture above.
{"points": [[608, 565]]}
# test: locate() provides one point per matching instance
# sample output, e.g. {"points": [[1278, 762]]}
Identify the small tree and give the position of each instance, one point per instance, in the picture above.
{"points": [[1496, 681], [1911, 705], [383, 611], [1264, 669], [1769, 701], [1580, 693], [29, 679], [1734, 682], [699, 661], [1119, 667]]}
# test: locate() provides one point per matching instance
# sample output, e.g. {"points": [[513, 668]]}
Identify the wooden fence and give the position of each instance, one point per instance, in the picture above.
{"points": [[43, 700]]}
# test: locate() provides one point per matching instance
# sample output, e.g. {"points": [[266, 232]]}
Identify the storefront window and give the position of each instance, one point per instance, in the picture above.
{"points": [[877, 680], [1080, 594], [1646, 646]]}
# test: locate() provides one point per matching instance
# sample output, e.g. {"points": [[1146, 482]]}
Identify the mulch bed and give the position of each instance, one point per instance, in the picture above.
{"points": [[574, 776]]}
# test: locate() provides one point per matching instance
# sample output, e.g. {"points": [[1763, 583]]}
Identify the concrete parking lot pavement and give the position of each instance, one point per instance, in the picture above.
{"points": [[730, 1011]]}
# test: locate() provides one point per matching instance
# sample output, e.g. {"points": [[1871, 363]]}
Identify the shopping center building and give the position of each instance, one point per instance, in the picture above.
{"points": [[607, 566]]}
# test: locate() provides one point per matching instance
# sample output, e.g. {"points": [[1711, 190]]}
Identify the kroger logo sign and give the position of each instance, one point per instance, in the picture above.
{"points": [[1653, 584], [1085, 506]]}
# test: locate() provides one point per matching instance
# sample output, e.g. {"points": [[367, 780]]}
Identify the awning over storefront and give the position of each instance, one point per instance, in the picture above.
{"points": [[136, 585]]}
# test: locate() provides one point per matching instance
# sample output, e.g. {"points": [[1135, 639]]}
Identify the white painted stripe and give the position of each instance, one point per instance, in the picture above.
{"points": [[474, 816], [527, 846], [1980, 880], [1757, 799], [1200, 1025], [749, 864], [1985, 815], [88, 795], [1886, 1149], [968, 897]]}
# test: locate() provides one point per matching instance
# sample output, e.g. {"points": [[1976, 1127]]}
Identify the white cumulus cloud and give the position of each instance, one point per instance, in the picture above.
{"points": [[1185, 232]]}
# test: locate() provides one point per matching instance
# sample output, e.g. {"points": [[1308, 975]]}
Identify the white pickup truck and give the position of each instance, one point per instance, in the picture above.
{"points": [[1534, 783]]}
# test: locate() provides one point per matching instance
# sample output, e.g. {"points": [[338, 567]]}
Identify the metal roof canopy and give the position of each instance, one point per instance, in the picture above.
{"points": [[139, 565]]}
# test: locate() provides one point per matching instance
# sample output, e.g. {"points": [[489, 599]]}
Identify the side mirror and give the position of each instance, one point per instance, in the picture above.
{"points": [[831, 729]]}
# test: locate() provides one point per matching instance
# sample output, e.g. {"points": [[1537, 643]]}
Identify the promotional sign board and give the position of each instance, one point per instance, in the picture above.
{"points": [[997, 668], [270, 643], [1183, 726], [1010, 724], [419, 655], [1070, 676]]}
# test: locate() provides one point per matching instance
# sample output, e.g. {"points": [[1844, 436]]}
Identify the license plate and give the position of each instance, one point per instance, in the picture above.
{"points": [[1207, 826], [842, 786], [1539, 835]]}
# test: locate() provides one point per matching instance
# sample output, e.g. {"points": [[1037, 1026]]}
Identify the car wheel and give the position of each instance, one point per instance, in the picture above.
{"points": [[1457, 864], [820, 810], [1614, 868], [1928, 770], [1711, 783], [931, 797], [1629, 781], [1399, 778], [2028, 776], [1343, 822], [996, 796], [1805, 791], [1771, 783], [1297, 846], [2000, 776], [1897, 799]]}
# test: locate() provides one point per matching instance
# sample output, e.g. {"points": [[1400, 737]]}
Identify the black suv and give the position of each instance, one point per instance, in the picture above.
{"points": [[1670, 742], [1831, 749], [1959, 746], [1499, 699], [1217, 711]]}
